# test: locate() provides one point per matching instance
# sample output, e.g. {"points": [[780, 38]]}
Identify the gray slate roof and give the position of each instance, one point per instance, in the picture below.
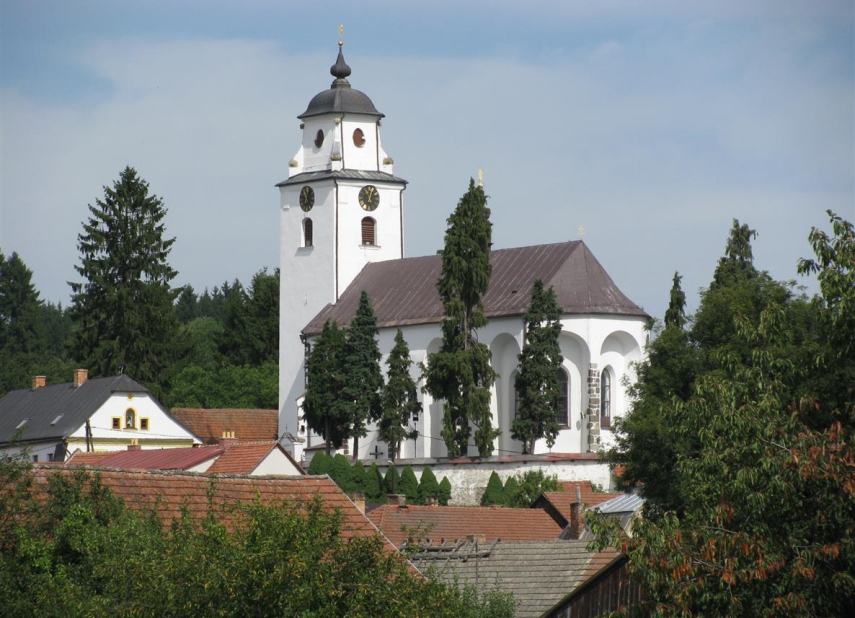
{"points": [[538, 573], [362, 175], [43, 407], [404, 291]]}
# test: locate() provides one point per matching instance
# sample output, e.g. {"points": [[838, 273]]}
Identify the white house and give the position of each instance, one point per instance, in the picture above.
{"points": [[101, 414], [341, 232]]}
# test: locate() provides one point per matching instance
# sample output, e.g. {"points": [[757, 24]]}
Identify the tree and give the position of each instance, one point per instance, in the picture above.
{"points": [[399, 402], [537, 381], [325, 407], [339, 471], [460, 373], [528, 487], [512, 488], [409, 485], [22, 333], [374, 483], [363, 377], [428, 486], [676, 312], [124, 312], [187, 305], [494, 494], [391, 482], [225, 386], [444, 491], [358, 477], [320, 464], [738, 261]]}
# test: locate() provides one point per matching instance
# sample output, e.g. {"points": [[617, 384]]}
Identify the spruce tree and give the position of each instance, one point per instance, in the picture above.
{"points": [[428, 486], [537, 381], [187, 305], [374, 483], [400, 401], [123, 311], [409, 485], [444, 491], [391, 482], [460, 373], [675, 315], [324, 407], [494, 494], [363, 378]]}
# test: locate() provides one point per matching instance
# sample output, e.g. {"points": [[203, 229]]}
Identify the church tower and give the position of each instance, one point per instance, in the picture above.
{"points": [[341, 208]]}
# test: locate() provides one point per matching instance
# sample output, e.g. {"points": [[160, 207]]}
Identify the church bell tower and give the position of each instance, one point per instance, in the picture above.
{"points": [[341, 208]]}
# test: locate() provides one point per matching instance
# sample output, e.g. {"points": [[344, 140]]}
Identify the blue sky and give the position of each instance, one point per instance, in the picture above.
{"points": [[652, 124]]}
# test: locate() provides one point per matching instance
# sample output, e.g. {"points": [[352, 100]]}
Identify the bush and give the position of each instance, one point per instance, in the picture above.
{"points": [[374, 483], [320, 464], [529, 487], [494, 494], [409, 486], [444, 491], [428, 486], [340, 472]]}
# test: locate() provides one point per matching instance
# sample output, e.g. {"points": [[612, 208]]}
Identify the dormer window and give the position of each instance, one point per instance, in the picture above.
{"points": [[22, 423]]}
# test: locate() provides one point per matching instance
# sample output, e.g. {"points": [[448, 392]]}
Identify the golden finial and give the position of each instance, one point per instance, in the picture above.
{"points": [[480, 178], [581, 231], [340, 35]]}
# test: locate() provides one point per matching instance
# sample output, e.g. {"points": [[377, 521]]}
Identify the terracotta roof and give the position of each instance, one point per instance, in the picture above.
{"points": [[160, 458], [89, 459], [247, 424], [404, 291], [244, 457], [168, 492], [557, 503], [456, 522]]}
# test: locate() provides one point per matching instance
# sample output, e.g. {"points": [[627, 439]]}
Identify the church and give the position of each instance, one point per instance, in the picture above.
{"points": [[342, 232]]}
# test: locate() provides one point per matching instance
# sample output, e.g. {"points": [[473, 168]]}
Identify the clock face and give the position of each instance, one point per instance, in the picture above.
{"points": [[369, 197], [307, 198]]}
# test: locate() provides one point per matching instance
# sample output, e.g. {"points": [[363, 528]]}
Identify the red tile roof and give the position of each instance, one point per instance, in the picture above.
{"points": [[456, 522], [557, 503], [90, 459], [167, 493], [244, 457], [247, 424], [161, 458]]}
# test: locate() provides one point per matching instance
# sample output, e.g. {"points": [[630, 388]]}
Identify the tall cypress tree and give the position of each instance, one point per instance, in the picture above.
{"points": [[460, 373], [324, 407], [675, 315], [364, 379], [540, 362], [400, 401], [123, 311]]}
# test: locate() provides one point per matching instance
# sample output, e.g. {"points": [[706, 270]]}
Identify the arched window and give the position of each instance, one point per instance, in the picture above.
{"points": [[562, 414], [130, 418], [307, 233], [606, 399], [369, 231]]}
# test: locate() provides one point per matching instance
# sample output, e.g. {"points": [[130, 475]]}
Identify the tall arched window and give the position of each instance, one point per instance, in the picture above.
{"points": [[130, 418], [369, 228], [606, 399], [562, 414], [308, 239]]}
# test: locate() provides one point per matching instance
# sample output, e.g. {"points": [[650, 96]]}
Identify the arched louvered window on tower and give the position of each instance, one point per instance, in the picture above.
{"points": [[308, 239], [606, 399], [369, 231], [562, 414]]}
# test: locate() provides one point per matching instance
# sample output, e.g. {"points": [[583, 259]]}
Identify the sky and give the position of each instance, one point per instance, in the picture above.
{"points": [[650, 124]]}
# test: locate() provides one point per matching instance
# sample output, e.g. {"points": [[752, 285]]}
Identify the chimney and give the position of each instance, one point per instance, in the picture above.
{"points": [[80, 376], [397, 499], [39, 381], [577, 516], [359, 500], [228, 439], [134, 445]]}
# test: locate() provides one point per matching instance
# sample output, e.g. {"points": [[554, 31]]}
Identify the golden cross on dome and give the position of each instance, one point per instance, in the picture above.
{"points": [[581, 231], [480, 177], [340, 35]]}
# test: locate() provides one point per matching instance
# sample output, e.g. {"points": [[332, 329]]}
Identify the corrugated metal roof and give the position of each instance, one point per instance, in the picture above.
{"points": [[42, 407], [361, 175], [161, 459], [404, 291], [625, 503]]}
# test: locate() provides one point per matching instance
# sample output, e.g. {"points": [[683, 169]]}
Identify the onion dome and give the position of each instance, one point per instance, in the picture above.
{"points": [[340, 98]]}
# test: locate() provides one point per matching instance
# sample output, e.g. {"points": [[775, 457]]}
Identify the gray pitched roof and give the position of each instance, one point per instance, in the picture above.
{"points": [[58, 411], [306, 177], [404, 291], [538, 573]]}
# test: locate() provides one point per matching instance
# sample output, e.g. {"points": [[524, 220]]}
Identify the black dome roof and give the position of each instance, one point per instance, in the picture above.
{"points": [[340, 98]]}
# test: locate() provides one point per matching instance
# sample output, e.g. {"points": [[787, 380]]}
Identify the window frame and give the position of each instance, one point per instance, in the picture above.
{"points": [[144, 424], [117, 422], [373, 226], [565, 397], [308, 233]]}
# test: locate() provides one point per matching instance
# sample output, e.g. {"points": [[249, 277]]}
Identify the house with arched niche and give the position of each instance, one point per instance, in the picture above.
{"points": [[341, 232]]}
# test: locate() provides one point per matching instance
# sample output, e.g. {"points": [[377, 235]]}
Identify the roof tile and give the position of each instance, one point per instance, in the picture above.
{"points": [[247, 424]]}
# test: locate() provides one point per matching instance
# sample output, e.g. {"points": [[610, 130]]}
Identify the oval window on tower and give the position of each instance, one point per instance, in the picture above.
{"points": [[319, 139], [359, 138]]}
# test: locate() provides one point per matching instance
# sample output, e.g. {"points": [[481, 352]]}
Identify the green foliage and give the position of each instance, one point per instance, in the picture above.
{"points": [[320, 464], [428, 486], [399, 400], [363, 378], [187, 305], [392, 484], [523, 490], [374, 483], [444, 491], [226, 386], [537, 381], [124, 312], [250, 319], [461, 373], [495, 492], [82, 554], [339, 471], [325, 408], [358, 477], [675, 315], [409, 485]]}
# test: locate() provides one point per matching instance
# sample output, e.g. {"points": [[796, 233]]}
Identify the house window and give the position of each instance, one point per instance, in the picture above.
{"points": [[50, 456], [117, 422], [307, 233], [605, 399], [144, 424], [368, 231], [130, 418], [562, 414]]}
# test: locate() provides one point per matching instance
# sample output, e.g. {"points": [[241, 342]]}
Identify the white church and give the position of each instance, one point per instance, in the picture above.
{"points": [[342, 232]]}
